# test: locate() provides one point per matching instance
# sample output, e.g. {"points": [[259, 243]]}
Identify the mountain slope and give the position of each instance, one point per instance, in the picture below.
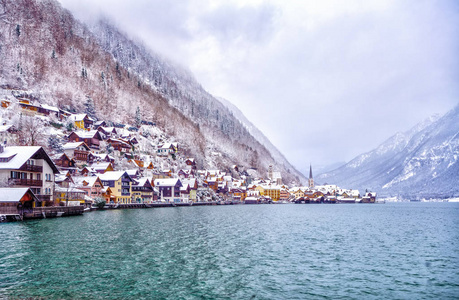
{"points": [[60, 61], [422, 162], [187, 95], [257, 134]]}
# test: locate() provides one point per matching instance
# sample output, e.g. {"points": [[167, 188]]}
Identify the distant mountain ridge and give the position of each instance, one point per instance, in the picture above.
{"points": [[62, 62], [422, 162]]}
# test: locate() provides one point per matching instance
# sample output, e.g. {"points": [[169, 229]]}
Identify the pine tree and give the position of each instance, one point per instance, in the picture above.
{"points": [[54, 143], [89, 108], [138, 118]]}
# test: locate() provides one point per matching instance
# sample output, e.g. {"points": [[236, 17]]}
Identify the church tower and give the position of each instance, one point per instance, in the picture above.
{"points": [[311, 180], [270, 172]]}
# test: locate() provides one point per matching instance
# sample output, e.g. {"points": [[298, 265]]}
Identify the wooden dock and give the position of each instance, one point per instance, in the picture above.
{"points": [[53, 212]]}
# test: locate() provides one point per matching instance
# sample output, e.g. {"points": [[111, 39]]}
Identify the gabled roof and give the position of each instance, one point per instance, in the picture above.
{"points": [[49, 107], [101, 165], [126, 144], [78, 117], [74, 145], [5, 128], [167, 182], [20, 154], [113, 175], [90, 180], [142, 181], [168, 146], [14, 195], [133, 172], [87, 134]]}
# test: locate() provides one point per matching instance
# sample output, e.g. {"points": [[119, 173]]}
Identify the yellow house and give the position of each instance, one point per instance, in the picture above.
{"points": [[273, 192], [298, 193], [260, 189], [119, 183], [81, 121], [69, 195]]}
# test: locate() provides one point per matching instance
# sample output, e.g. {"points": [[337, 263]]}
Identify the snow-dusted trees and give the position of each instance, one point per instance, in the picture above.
{"points": [[89, 108], [138, 118], [55, 144], [30, 130]]}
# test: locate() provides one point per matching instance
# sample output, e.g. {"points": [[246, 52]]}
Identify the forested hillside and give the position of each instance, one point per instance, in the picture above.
{"points": [[58, 60]]}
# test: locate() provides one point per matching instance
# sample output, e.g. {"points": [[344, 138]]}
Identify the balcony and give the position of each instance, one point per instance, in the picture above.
{"points": [[32, 168], [26, 182]]}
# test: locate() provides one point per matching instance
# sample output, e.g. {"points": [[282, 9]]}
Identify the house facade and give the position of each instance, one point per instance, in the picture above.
{"points": [[28, 166], [169, 189], [119, 183]]}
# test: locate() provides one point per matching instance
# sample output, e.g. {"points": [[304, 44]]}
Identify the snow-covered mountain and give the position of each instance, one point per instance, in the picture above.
{"points": [[60, 61], [422, 162]]}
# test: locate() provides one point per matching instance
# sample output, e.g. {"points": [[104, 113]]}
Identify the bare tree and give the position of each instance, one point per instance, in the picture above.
{"points": [[31, 131]]}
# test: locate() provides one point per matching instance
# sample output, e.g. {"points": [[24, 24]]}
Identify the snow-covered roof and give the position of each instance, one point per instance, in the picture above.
{"points": [[167, 182], [167, 146], [141, 181], [79, 180], [100, 165], [49, 107], [9, 195], [132, 172], [4, 128], [73, 145], [112, 175], [190, 181], [87, 134], [19, 156], [77, 117]]}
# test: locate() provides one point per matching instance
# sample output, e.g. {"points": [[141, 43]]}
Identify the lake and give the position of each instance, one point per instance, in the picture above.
{"points": [[290, 251]]}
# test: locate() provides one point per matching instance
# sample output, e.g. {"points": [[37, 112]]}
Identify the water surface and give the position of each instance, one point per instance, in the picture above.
{"points": [[357, 251]]}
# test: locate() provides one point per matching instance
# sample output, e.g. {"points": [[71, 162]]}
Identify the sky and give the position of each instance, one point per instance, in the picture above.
{"points": [[324, 80]]}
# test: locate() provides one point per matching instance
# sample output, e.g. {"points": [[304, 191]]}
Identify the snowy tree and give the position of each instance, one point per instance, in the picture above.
{"points": [[89, 108], [109, 148], [31, 131], [138, 118], [54, 144]]}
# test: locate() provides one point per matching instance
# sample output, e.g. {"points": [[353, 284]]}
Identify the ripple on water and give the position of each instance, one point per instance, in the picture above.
{"points": [[237, 252]]}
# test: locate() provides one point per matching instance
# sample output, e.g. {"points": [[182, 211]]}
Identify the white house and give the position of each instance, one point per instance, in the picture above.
{"points": [[28, 166]]}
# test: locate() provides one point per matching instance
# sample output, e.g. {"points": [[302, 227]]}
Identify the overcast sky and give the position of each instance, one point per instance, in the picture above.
{"points": [[324, 80]]}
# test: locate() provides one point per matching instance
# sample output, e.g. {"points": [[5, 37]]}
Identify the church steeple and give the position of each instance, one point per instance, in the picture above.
{"points": [[311, 179]]}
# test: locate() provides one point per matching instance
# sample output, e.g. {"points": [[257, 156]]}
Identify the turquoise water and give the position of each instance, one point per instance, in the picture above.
{"points": [[379, 251]]}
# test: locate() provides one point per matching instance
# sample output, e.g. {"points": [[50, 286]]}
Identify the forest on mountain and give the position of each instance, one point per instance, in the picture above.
{"points": [[57, 60]]}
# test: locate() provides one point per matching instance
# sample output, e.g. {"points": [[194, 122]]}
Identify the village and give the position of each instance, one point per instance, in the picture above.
{"points": [[91, 164]]}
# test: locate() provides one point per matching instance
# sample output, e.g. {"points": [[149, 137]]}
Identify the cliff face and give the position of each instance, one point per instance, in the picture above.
{"points": [[60, 61], [422, 162]]}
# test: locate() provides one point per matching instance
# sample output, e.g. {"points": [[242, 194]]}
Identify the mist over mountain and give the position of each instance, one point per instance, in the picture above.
{"points": [[422, 162], [60, 61]]}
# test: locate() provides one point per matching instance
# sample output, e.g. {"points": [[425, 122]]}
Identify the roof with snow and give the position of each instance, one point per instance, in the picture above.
{"points": [[100, 165], [78, 117], [80, 180], [87, 134], [49, 107], [167, 182], [5, 128], [113, 175], [74, 145], [15, 157], [13, 195]]}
